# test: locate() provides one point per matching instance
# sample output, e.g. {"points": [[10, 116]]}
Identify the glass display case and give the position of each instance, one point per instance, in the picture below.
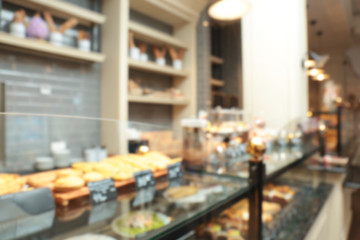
{"points": [[174, 203]]}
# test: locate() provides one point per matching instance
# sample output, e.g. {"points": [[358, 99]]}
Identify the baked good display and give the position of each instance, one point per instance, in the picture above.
{"points": [[235, 219], [118, 168], [68, 183], [42, 180], [239, 212], [176, 193], [11, 183], [93, 177], [83, 166], [123, 167], [137, 223], [215, 231], [91, 236], [277, 193], [7, 177], [68, 172]]}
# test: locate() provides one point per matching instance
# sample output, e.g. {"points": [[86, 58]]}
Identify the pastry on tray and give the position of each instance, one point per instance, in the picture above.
{"points": [[68, 172], [39, 180], [240, 211], [176, 193], [69, 183], [93, 177], [215, 231], [118, 168], [119, 176], [83, 166], [281, 194], [7, 177], [270, 207], [11, 183]]}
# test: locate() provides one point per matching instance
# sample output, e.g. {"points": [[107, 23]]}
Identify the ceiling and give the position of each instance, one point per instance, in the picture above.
{"points": [[339, 22], [330, 18], [355, 7]]}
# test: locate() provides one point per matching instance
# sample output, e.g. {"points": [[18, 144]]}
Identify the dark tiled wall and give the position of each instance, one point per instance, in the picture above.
{"points": [[232, 70], [75, 90], [230, 51], [203, 62]]}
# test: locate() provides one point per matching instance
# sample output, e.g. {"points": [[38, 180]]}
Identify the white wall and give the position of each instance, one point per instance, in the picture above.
{"points": [[274, 38]]}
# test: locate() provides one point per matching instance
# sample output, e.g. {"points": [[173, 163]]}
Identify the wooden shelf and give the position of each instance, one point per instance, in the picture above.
{"points": [[217, 82], [216, 60], [63, 10], [153, 100], [153, 67], [150, 35], [40, 47], [175, 13]]}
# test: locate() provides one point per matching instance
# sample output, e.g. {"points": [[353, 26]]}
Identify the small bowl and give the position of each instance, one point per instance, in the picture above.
{"points": [[62, 158], [161, 61], [84, 45], [144, 57], [177, 64], [134, 53], [18, 29], [44, 163], [56, 38]]}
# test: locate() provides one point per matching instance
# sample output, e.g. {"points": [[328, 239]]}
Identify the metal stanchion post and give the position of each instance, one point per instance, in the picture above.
{"points": [[339, 141], [322, 130], [256, 147]]}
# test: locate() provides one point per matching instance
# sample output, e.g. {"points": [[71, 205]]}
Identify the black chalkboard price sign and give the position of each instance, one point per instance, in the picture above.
{"points": [[175, 171], [102, 191], [144, 179]]}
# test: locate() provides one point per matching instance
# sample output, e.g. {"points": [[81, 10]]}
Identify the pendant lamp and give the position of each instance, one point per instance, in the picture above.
{"points": [[228, 10]]}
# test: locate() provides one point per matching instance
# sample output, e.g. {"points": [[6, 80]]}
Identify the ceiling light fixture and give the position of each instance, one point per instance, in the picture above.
{"points": [[321, 77], [314, 72], [309, 63], [228, 10]]}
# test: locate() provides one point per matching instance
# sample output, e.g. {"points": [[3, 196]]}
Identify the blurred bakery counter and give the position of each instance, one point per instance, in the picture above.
{"points": [[147, 213], [278, 159], [149, 195]]}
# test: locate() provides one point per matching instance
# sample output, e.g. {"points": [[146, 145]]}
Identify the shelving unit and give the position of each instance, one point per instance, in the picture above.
{"points": [[153, 100], [216, 60], [216, 68], [60, 9], [39, 47], [115, 75], [175, 13], [153, 67], [149, 35], [63, 10], [217, 82], [224, 61]]}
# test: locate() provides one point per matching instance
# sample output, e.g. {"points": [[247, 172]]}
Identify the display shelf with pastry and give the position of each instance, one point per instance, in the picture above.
{"points": [[188, 201], [128, 221], [276, 217], [70, 183]]}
